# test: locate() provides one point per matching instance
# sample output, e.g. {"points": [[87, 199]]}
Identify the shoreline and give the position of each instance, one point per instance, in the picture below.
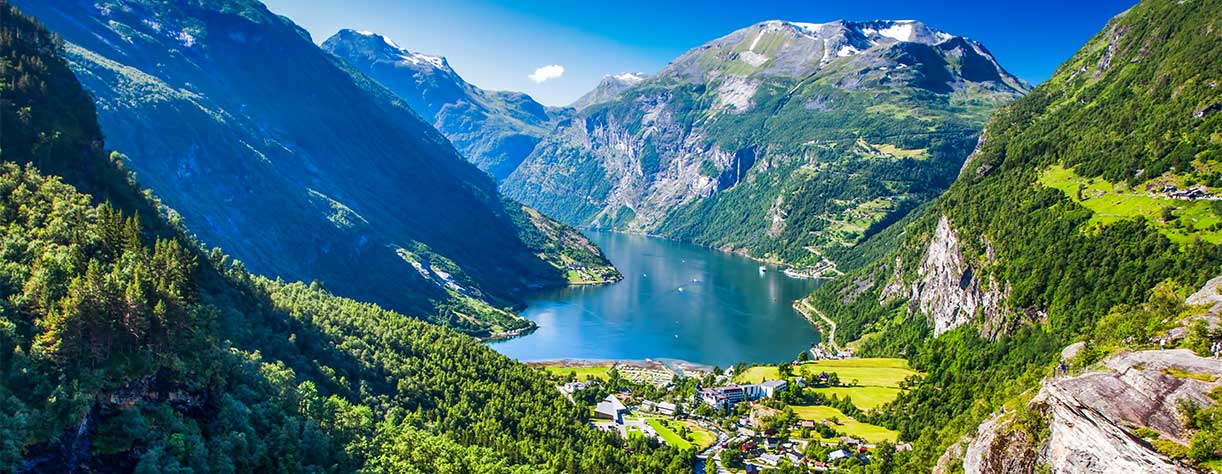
{"points": [[677, 366], [802, 305]]}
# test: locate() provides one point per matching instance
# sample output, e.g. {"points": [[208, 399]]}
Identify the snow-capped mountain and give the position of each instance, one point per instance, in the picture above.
{"points": [[793, 49], [785, 140], [495, 130], [610, 87]]}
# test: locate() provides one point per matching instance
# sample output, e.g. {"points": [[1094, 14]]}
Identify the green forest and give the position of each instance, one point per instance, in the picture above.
{"points": [[126, 346]]}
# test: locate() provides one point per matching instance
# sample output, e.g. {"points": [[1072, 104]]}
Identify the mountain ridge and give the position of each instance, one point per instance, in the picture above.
{"points": [[356, 197], [495, 130]]}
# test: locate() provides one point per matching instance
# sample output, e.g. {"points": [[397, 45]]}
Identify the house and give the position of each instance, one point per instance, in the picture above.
{"points": [[571, 387], [899, 448], [1195, 192], [770, 459], [838, 455], [667, 408], [611, 409], [807, 424], [771, 387]]}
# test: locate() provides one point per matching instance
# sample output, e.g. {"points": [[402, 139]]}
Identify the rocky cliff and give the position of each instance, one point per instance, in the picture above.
{"points": [[948, 290], [1089, 421]]}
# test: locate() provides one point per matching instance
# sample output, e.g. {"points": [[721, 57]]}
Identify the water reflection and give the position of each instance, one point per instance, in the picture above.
{"points": [[676, 301]]}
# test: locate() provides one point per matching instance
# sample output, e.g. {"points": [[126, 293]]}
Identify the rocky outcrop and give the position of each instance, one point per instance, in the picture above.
{"points": [[948, 289], [999, 450], [1089, 418]]}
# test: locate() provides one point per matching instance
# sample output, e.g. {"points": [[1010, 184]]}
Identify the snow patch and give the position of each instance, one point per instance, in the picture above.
{"points": [[186, 39], [417, 58], [899, 31], [809, 27], [847, 50], [629, 78]]}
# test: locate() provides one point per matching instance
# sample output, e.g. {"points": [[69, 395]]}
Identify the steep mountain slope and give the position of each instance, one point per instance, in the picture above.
{"points": [[784, 140], [1073, 220], [126, 348], [494, 130], [325, 176], [608, 89]]}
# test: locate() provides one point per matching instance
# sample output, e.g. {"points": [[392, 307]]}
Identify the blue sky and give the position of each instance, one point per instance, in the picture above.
{"points": [[499, 44]]}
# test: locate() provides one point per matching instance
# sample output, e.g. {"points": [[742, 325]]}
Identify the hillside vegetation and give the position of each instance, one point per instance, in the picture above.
{"points": [[128, 348], [328, 177], [1049, 235]]}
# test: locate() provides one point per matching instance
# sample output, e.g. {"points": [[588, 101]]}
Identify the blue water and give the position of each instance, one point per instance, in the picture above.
{"points": [[676, 301]]}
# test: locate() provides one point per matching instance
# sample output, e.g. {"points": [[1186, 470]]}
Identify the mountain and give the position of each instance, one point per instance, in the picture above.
{"points": [[608, 89], [786, 141], [494, 130], [325, 177], [1086, 215], [124, 347]]}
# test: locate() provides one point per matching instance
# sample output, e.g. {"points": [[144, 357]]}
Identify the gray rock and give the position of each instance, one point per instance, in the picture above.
{"points": [[1088, 415]]}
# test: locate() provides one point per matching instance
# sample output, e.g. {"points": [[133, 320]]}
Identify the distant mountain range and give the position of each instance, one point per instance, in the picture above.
{"points": [[492, 129], [787, 141], [305, 168]]}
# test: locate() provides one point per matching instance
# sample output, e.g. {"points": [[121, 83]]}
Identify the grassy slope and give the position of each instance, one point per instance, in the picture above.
{"points": [[1111, 202]]}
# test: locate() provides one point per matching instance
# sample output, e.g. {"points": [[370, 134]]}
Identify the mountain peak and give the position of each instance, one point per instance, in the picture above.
{"points": [[609, 88], [874, 31], [376, 47]]}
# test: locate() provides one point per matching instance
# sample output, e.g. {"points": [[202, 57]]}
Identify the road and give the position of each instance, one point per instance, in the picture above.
{"points": [[803, 306], [712, 451]]}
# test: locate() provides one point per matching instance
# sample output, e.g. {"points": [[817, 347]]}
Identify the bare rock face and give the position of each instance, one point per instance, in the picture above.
{"points": [[1087, 417], [948, 290], [998, 450]]}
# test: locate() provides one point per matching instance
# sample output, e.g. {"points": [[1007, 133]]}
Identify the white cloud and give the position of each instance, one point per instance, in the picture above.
{"points": [[547, 72]]}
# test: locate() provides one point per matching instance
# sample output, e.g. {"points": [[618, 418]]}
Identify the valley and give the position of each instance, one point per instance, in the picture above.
{"points": [[241, 237], [677, 301]]}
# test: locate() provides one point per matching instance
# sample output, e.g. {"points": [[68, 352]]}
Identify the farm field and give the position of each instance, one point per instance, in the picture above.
{"points": [[845, 423], [875, 381], [583, 373]]}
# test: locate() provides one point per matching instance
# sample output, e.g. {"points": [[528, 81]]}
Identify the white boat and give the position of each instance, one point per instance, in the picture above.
{"points": [[763, 269]]}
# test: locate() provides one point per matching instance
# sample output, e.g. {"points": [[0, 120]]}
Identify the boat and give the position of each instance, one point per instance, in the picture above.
{"points": [[763, 269]]}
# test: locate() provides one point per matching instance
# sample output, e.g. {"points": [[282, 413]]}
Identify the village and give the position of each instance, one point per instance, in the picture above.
{"points": [[801, 416]]}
